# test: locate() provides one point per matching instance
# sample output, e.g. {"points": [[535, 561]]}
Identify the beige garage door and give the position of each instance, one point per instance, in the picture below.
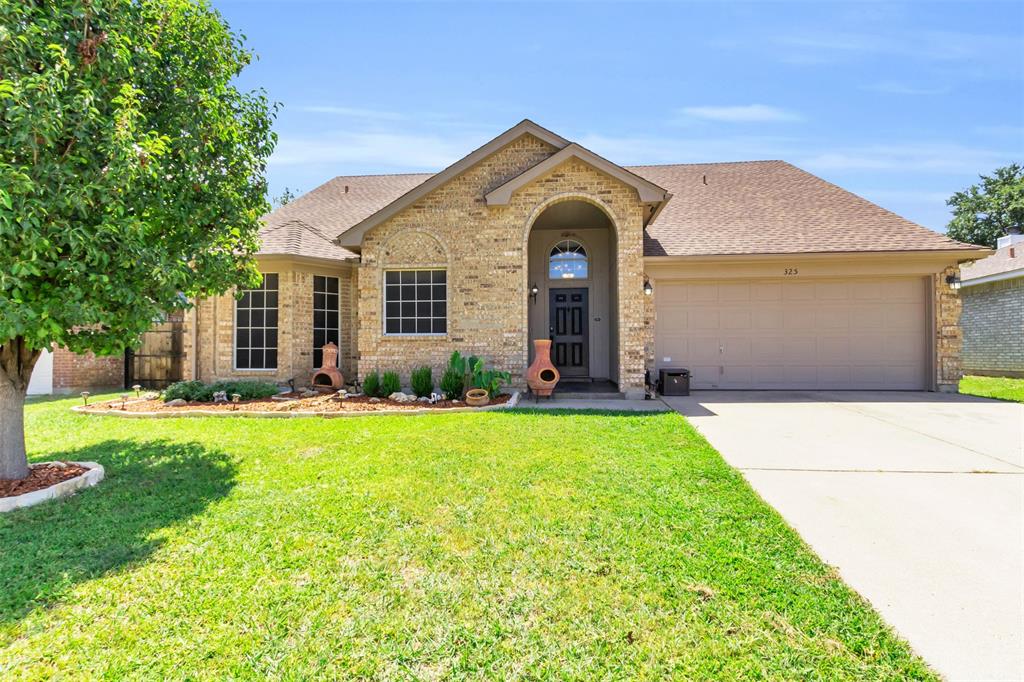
{"points": [[784, 334]]}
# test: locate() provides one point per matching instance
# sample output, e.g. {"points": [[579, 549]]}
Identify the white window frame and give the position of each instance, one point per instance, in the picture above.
{"points": [[277, 328], [326, 310], [384, 303]]}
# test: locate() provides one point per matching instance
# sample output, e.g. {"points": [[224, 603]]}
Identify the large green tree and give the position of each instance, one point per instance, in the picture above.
{"points": [[984, 212], [132, 177]]}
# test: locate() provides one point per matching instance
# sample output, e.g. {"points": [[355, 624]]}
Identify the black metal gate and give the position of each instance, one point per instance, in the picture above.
{"points": [[157, 362]]}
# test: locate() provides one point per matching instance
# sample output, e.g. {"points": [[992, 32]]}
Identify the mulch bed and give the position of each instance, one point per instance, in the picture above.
{"points": [[322, 403], [41, 476]]}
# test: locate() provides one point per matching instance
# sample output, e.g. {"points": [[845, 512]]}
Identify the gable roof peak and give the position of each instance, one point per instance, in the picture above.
{"points": [[649, 192], [353, 237]]}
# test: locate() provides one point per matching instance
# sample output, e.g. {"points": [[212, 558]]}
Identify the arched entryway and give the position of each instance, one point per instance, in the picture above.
{"points": [[571, 278]]}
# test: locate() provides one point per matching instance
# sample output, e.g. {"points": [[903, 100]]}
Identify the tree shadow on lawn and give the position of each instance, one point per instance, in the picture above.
{"points": [[47, 549]]}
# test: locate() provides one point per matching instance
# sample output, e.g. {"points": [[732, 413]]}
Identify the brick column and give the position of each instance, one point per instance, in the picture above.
{"points": [[948, 333]]}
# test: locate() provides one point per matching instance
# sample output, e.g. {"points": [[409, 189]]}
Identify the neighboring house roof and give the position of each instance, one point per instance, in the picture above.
{"points": [[766, 207], [1006, 263], [752, 207]]}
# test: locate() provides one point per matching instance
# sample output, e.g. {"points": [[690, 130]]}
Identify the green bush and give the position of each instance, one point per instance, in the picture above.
{"points": [[422, 381], [185, 390], [199, 392], [452, 383], [463, 365], [491, 380], [371, 385], [390, 384]]}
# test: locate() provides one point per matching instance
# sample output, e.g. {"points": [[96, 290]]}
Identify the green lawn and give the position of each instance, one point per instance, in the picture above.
{"points": [[500, 545], [994, 387]]}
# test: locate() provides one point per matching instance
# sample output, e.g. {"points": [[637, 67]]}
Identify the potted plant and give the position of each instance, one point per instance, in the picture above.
{"points": [[477, 397]]}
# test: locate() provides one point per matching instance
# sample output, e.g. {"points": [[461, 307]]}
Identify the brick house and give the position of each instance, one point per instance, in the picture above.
{"points": [[751, 275], [993, 311], [61, 371]]}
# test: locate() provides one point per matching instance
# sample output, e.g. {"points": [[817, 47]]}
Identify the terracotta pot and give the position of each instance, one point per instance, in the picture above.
{"points": [[542, 376], [328, 379], [476, 397]]}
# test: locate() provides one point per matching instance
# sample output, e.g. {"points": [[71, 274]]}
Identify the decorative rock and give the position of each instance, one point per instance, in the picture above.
{"points": [[152, 395], [375, 400], [177, 402], [424, 399], [308, 393], [400, 397], [220, 397]]}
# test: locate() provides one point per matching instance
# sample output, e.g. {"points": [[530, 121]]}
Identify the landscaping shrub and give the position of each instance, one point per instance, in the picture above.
{"points": [[200, 392], [463, 365], [390, 384], [371, 385], [185, 390], [491, 380], [452, 383], [422, 381]]}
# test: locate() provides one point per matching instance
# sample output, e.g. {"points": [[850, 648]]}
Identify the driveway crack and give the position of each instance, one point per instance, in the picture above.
{"points": [[848, 406]]}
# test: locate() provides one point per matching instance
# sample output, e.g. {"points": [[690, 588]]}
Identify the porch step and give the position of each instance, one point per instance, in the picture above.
{"points": [[586, 395]]}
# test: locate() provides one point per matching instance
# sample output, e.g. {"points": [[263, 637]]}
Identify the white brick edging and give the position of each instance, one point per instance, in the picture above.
{"points": [[90, 478], [512, 402]]}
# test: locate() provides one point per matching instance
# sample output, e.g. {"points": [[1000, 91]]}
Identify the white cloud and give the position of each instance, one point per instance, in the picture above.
{"points": [[644, 149], [1001, 130], [896, 88], [927, 44], [353, 112], [372, 151], [918, 158], [747, 113]]}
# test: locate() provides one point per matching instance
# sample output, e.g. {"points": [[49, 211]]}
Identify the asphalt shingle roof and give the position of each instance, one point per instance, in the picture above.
{"points": [[772, 207], [1006, 259], [737, 208]]}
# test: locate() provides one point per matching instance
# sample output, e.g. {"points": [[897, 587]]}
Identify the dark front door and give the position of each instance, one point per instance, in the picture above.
{"points": [[570, 337]]}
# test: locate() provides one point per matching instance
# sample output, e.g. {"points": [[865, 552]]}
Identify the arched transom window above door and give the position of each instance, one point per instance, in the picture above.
{"points": [[568, 260]]}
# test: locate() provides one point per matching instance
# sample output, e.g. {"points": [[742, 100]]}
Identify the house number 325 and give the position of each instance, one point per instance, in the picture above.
{"points": [[791, 271]]}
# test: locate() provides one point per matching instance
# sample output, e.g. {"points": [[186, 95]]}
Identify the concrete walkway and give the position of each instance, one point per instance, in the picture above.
{"points": [[917, 499], [613, 405]]}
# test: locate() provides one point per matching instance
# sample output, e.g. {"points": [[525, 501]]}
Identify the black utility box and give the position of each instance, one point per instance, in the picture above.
{"points": [[674, 382]]}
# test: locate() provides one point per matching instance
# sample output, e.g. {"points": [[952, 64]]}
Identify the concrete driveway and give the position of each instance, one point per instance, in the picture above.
{"points": [[917, 499]]}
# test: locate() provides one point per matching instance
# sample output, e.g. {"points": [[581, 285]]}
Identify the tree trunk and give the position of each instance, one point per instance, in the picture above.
{"points": [[16, 363]]}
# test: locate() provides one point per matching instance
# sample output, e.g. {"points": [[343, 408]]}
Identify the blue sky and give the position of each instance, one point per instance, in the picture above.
{"points": [[901, 103]]}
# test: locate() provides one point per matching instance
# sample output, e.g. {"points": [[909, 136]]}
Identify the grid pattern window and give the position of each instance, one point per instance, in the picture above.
{"points": [[416, 302], [256, 326], [326, 328]]}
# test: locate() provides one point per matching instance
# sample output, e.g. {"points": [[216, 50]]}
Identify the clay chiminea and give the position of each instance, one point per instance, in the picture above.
{"points": [[328, 377], [542, 376]]}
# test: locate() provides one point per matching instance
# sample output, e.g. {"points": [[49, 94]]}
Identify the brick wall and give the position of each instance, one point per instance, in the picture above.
{"points": [[485, 251], [73, 372], [216, 327], [948, 332], [993, 324]]}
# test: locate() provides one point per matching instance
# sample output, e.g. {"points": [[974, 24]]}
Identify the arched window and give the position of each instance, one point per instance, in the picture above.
{"points": [[568, 261]]}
